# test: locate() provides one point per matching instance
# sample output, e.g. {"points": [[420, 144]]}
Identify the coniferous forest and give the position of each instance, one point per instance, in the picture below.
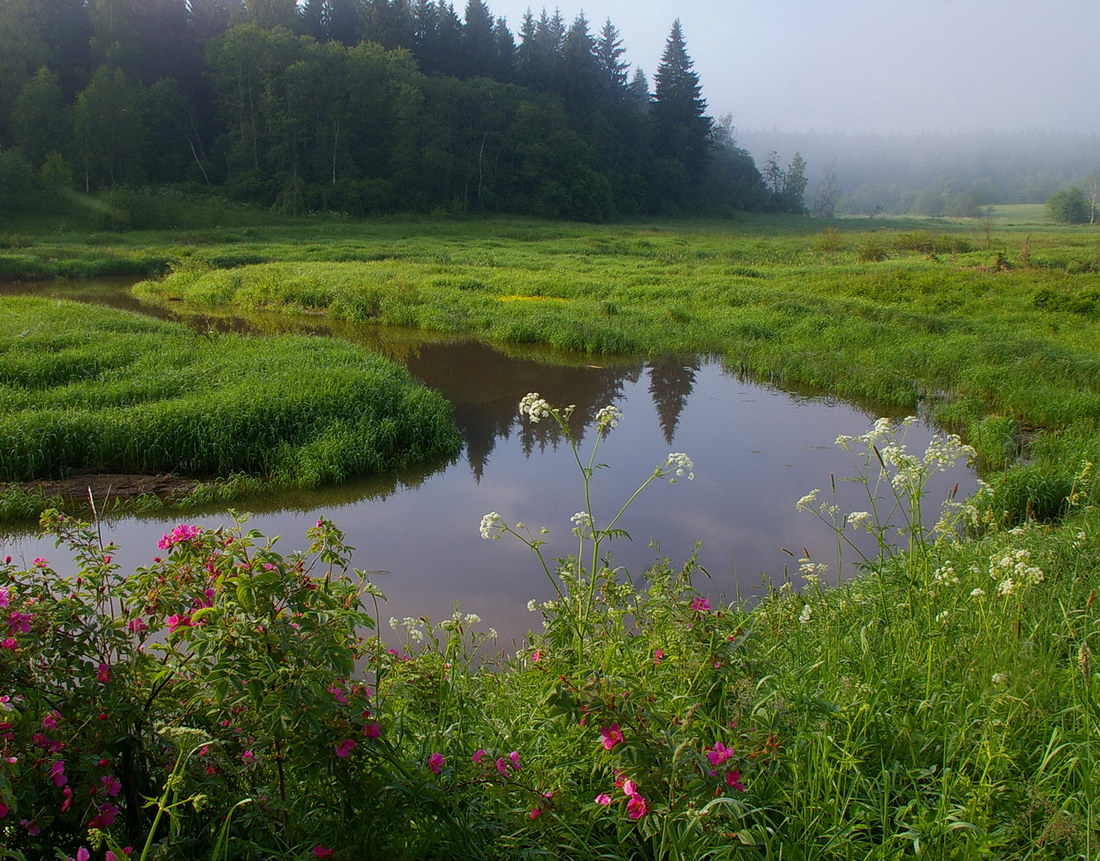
{"points": [[360, 106]]}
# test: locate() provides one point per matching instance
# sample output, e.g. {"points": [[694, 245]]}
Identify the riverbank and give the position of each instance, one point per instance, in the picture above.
{"points": [[91, 390], [942, 705]]}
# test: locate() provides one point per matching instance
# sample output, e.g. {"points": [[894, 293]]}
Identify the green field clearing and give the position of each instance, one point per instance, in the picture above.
{"points": [[944, 705], [993, 333], [91, 390]]}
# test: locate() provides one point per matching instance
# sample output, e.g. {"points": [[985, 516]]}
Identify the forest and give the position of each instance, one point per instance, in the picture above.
{"points": [[362, 107]]}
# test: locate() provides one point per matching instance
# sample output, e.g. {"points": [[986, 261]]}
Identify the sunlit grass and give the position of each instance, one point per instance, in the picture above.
{"points": [[964, 322], [942, 705], [86, 389]]}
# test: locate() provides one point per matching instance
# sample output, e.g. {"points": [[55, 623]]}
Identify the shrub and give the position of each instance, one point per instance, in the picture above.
{"points": [[1068, 206], [829, 241], [873, 250], [929, 243]]}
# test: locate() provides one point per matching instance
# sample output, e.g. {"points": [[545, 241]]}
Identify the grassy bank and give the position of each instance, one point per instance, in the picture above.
{"points": [[86, 389], [945, 705], [990, 328], [942, 706]]}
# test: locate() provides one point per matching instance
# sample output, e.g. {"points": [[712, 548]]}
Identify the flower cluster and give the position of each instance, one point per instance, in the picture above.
{"points": [[676, 465], [411, 626], [857, 519], [882, 431], [492, 526], [636, 805], [582, 524], [607, 418], [945, 575], [811, 571], [1014, 569], [181, 533], [534, 407]]}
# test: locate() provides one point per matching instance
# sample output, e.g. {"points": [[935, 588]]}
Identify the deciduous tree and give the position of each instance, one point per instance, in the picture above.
{"points": [[40, 120], [1068, 206]]}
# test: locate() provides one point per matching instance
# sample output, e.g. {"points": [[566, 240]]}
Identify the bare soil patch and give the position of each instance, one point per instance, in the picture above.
{"points": [[105, 487]]}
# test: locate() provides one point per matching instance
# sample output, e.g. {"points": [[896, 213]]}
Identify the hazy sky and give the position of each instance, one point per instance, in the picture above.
{"points": [[871, 65]]}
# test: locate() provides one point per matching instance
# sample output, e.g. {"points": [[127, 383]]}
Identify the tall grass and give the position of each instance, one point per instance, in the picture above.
{"points": [[85, 389], [968, 333]]}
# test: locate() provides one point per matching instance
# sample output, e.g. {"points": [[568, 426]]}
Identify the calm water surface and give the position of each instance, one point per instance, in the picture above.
{"points": [[756, 449]]}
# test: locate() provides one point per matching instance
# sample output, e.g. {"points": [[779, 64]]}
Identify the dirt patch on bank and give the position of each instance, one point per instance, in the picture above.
{"points": [[105, 487]]}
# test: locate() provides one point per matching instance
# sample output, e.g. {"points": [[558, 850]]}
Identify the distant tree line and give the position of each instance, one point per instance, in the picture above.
{"points": [[944, 174], [362, 106]]}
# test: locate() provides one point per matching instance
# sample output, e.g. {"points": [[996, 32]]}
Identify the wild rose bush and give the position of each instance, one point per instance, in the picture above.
{"points": [[224, 702], [249, 650]]}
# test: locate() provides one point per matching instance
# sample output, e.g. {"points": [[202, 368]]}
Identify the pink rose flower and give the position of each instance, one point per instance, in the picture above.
{"points": [[612, 736], [636, 807]]}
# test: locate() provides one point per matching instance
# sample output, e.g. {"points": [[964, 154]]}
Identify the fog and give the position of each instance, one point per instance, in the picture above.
{"points": [[871, 65]]}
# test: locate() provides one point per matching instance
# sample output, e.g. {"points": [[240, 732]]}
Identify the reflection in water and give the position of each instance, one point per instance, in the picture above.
{"points": [[757, 450], [670, 384]]}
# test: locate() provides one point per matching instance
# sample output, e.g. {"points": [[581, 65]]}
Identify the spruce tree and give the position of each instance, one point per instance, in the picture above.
{"points": [[638, 90], [477, 48], [681, 125], [608, 49], [580, 71], [504, 52]]}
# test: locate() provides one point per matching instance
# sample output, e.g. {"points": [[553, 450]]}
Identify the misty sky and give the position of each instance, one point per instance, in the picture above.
{"points": [[871, 65]]}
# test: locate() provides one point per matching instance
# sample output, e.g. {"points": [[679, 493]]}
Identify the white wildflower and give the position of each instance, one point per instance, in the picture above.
{"points": [[943, 453], [534, 407], [804, 616], [492, 633], [676, 465], [411, 626], [532, 606], [472, 619], [951, 514], [1015, 565], [808, 500], [607, 418], [582, 524], [942, 617], [1000, 678], [1006, 587], [492, 526], [859, 519], [393, 622], [811, 571], [977, 593], [945, 575], [882, 429]]}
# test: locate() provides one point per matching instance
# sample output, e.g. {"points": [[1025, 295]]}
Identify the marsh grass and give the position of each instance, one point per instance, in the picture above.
{"points": [[939, 322], [89, 390]]}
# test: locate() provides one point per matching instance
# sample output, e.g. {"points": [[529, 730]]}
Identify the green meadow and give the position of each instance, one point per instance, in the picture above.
{"points": [[92, 390], [943, 705], [990, 328]]}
